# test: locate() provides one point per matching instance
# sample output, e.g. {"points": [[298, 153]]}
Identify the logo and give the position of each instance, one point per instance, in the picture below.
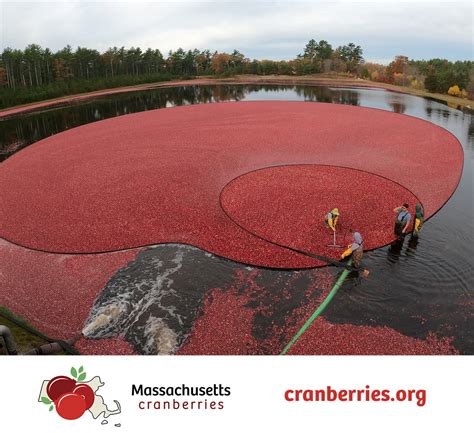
{"points": [[72, 396]]}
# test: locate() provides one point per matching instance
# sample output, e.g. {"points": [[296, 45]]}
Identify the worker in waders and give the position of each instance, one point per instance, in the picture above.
{"points": [[331, 219], [402, 220], [419, 219], [356, 249]]}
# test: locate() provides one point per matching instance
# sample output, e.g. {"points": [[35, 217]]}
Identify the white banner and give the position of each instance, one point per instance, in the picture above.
{"points": [[235, 394]]}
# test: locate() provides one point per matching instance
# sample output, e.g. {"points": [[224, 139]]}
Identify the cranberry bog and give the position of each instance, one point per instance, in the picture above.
{"points": [[194, 214]]}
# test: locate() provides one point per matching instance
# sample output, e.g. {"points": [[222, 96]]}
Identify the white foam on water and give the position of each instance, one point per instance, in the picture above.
{"points": [[103, 318], [160, 339], [131, 306]]}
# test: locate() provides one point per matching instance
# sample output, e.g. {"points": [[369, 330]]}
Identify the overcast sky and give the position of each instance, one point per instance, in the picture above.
{"points": [[259, 29]]}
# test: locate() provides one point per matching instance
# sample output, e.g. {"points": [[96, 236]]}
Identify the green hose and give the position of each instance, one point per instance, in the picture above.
{"points": [[321, 308]]}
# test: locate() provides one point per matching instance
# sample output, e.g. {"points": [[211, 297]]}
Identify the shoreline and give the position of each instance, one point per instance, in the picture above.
{"points": [[309, 80]]}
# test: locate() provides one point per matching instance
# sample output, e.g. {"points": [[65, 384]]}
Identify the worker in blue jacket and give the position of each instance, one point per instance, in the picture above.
{"points": [[402, 220]]}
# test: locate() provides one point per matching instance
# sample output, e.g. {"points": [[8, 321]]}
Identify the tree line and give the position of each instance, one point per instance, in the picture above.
{"points": [[37, 73], [35, 66]]}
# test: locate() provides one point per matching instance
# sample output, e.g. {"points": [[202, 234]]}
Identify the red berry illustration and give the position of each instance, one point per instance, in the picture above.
{"points": [[70, 405], [58, 386], [86, 392]]}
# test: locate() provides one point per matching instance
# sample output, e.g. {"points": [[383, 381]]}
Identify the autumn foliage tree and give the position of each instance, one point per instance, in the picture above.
{"points": [[61, 70], [220, 62]]}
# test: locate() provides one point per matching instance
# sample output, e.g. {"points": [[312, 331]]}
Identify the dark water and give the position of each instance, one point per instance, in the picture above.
{"points": [[415, 288]]}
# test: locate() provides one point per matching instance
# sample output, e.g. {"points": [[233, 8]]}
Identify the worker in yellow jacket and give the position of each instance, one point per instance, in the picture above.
{"points": [[331, 219], [419, 219], [356, 249]]}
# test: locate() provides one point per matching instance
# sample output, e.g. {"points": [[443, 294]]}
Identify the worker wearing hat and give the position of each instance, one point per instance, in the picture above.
{"points": [[356, 248], [331, 219], [419, 219]]}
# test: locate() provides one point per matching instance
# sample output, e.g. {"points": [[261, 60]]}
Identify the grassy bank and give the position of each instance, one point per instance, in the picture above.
{"points": [[345, 80], [24, 339], [452, 101]]}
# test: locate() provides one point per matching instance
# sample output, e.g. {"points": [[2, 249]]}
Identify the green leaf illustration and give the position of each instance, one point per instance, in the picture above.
{"points": [[81, 369], [81, 377], [51, 408], [73, 372], [46, 400]]}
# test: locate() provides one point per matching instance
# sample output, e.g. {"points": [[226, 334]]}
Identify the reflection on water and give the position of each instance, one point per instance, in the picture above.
{"points": [[398, 107], [432, 277], [412, 245]]}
